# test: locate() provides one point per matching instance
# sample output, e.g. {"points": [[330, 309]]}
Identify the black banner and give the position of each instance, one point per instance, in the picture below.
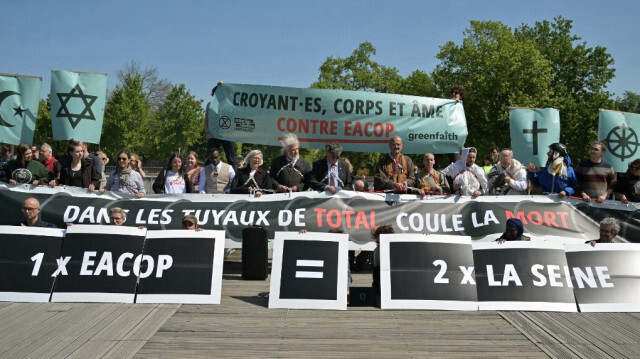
{"points": [[355, 213]]}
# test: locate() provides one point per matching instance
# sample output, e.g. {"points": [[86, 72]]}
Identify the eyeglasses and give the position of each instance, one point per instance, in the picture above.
{"points": [[455, 92], [116, 219], [29, 209], [188, 224], [103, 158], [122, 158]]}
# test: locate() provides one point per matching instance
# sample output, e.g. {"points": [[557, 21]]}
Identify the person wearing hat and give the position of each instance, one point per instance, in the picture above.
{"points": [[190, 222], [558, 176], [513, 232]]}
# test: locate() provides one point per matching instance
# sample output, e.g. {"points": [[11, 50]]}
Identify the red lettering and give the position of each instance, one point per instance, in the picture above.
{"points": [[563, 219], [280, 127], [519, 216], [378, 129], [538, 218], [334, 128], [338, 221], [324, 126], [389, 129], [550, 219], [319, 213], [361, 220], [348, 217], [347, 128]]}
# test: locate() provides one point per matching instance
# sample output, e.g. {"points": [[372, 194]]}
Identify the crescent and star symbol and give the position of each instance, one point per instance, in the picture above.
{"points": [[74, 118], [3, 96]]}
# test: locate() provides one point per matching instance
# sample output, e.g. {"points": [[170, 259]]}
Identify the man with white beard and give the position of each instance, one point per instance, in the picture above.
{"points": [[468, 178], [508, 176], [289, 169]]}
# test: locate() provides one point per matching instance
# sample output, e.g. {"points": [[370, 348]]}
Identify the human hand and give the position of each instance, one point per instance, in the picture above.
{"points": [[562, 194]]}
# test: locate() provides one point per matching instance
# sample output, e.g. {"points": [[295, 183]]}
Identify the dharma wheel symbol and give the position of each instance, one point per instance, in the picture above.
{"points": [[623, 142]]}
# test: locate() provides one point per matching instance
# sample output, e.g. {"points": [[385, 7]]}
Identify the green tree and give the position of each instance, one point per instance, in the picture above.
{"points": [[498, 71], [154, 88], [630, 102], [127, 119], [179, 124], [580, 76], [43, 131]]}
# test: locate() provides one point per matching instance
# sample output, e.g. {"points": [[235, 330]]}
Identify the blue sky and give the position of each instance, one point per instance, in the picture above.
{"points": [[279, 43]]}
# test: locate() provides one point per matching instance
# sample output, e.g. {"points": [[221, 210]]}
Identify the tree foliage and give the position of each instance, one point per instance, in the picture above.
{"points": [[532, 66], [127, 119], [154, 88], [180, 123], [630, 102]]}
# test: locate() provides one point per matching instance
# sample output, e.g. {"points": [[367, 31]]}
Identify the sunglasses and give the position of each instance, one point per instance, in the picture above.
{"points": [[122, 158]]}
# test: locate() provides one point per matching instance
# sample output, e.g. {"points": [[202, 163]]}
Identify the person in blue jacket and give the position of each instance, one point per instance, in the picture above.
{"points": [[558, 175]]}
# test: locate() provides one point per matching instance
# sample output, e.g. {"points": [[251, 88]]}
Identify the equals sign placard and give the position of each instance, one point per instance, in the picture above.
{"points": [[307, 273]]}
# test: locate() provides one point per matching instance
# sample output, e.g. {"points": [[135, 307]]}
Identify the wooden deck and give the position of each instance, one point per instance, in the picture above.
{"points": [[243, 327]]}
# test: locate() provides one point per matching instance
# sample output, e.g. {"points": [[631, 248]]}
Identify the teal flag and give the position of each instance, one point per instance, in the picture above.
{"points": [[77, 105], [532, 131], [19, 98], [360, 121], [620, 130]]}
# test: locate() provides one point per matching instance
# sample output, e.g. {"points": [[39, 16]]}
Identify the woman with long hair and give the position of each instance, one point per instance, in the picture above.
{"points": [[173, 178], [24, 169], [125, 179], [76, 172], [193, 169]]}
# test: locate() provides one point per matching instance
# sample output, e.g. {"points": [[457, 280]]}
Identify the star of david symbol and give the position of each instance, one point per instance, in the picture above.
{"points": [[86, 114], [19, 111]]}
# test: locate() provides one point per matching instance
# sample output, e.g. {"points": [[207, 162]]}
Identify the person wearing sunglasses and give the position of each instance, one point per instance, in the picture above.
{"points": [[124, 179]]}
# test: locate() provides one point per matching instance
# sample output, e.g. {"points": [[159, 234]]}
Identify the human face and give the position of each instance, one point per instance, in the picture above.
{"points": [[34, 151], [191, 161], [214, 157], [293, 151], [27, 155], [395, 146], [188, 225], [429, 161], [31, 210], [505, 159], [471, 159], [104, 159], [332, 159], [77, 153], [176, 164], [511, 233], [116, 219], [255, 161], [596, 152], [606, 233], [455, 95], [123, 160], [134, 161], [45, 153]]}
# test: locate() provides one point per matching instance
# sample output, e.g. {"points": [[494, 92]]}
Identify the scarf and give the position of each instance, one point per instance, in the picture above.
{"points": [[557, 166], [124, 175]]}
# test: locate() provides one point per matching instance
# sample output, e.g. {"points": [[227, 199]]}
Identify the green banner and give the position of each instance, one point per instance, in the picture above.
{"points": [[77, 105], [19, 97], [532, 131], [360, 121], [620, 131]]}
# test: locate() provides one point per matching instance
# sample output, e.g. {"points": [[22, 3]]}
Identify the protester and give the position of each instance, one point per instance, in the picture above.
{"points": [[24, 169], [217, 176], [467, 177], [104, 159], [190, 222], [609, 228], [596, 177], [215, 143], [513, 232], [395, 172], [330, 173], [5, 156], [384, 229], [193, 169], [289, 169], [508, 176], [173, 178], [431, 180], [92, 158], [117, 216], [76, 172], [31, 212], [136, 165], [628, 188], [494, 153], [34, 150], [252, 178], [558, 176], [47, 159], [457, 93], [124, 179], [487, 164]]}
